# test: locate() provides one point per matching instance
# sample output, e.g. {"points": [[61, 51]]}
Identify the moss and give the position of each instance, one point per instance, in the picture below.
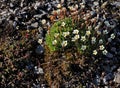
{"points": [[57, 28]]}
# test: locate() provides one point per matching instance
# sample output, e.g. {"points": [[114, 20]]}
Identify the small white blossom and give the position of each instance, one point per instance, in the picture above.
{"points": [[64, 43], [100, 41], [105, 31], [93, 40], [101, 47], [65, 34], [95, 52], [112, 36], [54, 42], [83, 47], [76, 37], [43, 21], [63, 24], [75, 31], [40, 41], [89, 27], [56, 35], [38, 70], [105, 52], [83, 38], [88, 33], [99, 32]]}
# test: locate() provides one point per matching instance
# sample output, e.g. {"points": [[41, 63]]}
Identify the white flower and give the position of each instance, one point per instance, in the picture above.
{"points": [[40, 70], [88, 33], [83, 38], [89, 27], [98, 32], [83, 47], [105, 31], [66, 34], [100, 41], [54, 42], [75, 31], [63, 24], [43, 21], [64, 43], [56, 35], [105, 52], [93, 40], [40, 41], [76, 37], [101, 47], [112, 36], [95, 52]]}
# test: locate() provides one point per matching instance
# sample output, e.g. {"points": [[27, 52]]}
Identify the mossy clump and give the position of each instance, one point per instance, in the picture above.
{"points": [[66, 34], [59, 34]]}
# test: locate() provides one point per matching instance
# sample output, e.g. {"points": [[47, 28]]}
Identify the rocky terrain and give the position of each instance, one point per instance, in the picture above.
{"points": [[25, 60]]}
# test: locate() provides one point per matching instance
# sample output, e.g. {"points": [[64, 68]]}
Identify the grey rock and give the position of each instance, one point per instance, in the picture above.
{"points": [[39, 36], [109, 76], [104, 4], [113, 49], [93, 13], [117, 77], [117, 3], [40, 15], [39, 49], [40, 30], [11, 5], [96, 3], [113, 68], [35, 25], [118, 69], [109, 55]]}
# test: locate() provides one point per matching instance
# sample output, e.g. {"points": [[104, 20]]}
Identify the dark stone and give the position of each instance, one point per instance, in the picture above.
{"points": [[109, 55], [39, 49]]}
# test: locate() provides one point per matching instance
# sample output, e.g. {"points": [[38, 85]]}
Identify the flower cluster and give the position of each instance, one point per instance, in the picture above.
{"points": [[85, 39]]}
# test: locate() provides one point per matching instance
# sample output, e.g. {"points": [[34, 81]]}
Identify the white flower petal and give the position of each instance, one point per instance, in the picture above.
{"points": [[75, 31], [101, 47], [83, 38], [64, 43], [40, 41], [95, 52], [83, 47], [112, 36], [63, 24], [54, 42], [105, 52]]}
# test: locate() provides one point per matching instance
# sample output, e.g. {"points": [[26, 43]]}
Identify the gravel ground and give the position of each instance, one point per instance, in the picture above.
{"points": [[22, 54]]}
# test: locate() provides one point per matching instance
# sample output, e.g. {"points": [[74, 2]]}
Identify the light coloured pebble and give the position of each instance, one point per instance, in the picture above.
{"points": [[117, 78], [96, 3], [104, 4], [59, 6]]}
